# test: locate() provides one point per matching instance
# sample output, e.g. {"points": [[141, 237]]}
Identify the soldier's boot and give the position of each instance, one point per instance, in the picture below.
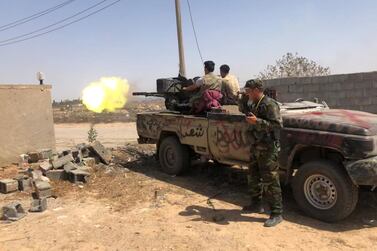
{"points": [[273, 220], [254, 207]]}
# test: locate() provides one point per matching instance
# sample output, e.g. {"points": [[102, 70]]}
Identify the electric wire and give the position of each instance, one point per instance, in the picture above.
{"points": [[193, 28], [62, 26], [34, 16], [54, 24]]}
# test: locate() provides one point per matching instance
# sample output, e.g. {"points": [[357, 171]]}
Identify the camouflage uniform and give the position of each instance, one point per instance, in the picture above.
{"points": [[263, 178]]}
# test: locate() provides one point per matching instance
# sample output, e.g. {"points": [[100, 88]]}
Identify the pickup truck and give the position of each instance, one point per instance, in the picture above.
{"points": [[326, 154]]}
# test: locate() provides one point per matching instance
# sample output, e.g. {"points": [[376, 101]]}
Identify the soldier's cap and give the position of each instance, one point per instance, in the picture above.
{"points": [[254, 83]]}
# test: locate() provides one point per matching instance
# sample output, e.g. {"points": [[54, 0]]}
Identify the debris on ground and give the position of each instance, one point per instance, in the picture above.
{"points": [[13, 212]]}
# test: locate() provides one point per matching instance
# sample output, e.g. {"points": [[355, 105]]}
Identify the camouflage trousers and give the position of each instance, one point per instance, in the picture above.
{"points": [[263, 178]]}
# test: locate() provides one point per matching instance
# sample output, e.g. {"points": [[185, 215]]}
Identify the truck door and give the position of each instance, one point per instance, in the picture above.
{"points": [[227, 138]]}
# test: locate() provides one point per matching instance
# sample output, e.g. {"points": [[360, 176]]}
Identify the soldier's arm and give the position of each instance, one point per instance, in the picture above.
{"points": [[274, 120]]}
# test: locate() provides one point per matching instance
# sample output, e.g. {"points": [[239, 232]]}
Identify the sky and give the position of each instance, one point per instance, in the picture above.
{"points": [[136, 39]]}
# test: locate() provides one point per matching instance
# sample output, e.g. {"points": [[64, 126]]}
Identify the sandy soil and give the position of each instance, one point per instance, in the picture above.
{"points": [[137, 207], [111, 135]]}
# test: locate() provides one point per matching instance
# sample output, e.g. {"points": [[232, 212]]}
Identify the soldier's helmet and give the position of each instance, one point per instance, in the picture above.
{"points": [[254, 83]]}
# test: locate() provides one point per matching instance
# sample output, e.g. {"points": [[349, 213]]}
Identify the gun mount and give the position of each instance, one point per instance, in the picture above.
{"points": [[171, 90]]}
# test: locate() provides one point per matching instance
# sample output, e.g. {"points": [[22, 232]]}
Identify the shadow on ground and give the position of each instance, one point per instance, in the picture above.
{"points": [[229, 185]]}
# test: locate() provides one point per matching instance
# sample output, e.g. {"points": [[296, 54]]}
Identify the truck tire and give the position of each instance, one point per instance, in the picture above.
{"points": [[174, 157], [323, 190]]}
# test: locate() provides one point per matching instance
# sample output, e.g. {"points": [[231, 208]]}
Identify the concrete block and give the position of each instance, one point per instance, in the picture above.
{"points": [[370, 75], [13, 212], [60, 162], [357, 93], [309, 88], [91, 162], [38, 205], [23, 161], [34, 157], [8, 186], [330, 87], [337, 78], [348, 85], [59, 174], [42, 194], [365, 101], [24, 183], [75, 176], [70, 166], [45, 166], [304, 80], [354, 77], [295, 88], [365, 84], [98, 149], [42, 185], [320, 80]]}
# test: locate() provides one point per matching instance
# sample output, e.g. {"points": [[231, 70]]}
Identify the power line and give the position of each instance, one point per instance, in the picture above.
{"points": [[193, 28], [61, 27], [34, 16], [54, 24]]}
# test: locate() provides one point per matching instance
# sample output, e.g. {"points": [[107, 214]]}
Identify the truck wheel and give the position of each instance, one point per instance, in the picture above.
{"points": [[324, 191], [174, 157]]}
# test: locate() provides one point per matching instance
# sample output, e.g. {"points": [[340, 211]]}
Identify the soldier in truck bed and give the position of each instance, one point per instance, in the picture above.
{"points": [[265, 122], [209, 90], [230, 86]]}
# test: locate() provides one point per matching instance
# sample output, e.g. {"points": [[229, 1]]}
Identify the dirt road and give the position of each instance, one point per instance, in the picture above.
{"points": [[111, 135], [140, 208]]}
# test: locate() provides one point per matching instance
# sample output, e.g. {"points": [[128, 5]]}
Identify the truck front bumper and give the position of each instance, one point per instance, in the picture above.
{"points": [[363, 172]]}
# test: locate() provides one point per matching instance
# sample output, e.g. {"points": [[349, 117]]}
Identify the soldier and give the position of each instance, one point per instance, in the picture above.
{"points": [[230, 86], [209, 89], [265, 122]]}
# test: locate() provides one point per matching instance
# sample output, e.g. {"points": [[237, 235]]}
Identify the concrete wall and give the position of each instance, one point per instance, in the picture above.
{"points": [[357, 91], [26, 121]]}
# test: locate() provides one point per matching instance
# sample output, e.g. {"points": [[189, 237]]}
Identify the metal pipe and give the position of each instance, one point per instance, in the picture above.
{"points": [[182, 65]]}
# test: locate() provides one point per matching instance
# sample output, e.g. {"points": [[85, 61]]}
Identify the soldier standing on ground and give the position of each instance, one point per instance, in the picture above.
{"points": [[230, 86], [265, 122]]}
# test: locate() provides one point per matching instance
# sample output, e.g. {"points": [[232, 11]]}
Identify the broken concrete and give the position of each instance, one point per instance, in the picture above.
{"points": [[38, 205], [58, 174], [60, 162], [8, 186], [13, 212], [104, 155]]}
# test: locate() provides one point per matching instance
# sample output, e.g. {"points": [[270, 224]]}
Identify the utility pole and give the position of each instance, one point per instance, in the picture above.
{"points": [[182, 65]]}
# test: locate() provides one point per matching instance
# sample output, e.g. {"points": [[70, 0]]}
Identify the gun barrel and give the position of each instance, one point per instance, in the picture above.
{"points": [[144, 93]]}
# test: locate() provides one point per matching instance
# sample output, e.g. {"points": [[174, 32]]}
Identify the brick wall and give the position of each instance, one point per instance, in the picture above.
{"points": [[357, 91]]}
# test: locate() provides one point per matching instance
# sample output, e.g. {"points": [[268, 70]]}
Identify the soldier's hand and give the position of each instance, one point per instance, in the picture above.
{"points": [[251, 119]]}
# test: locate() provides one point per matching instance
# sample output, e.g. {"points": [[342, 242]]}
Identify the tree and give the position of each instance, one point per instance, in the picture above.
{"points": [[293, 65]]}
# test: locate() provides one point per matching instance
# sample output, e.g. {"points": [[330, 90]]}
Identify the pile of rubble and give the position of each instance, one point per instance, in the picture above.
{"points": [[38, 168]]}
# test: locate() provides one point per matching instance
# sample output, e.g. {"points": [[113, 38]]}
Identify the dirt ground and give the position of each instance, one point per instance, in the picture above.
{"points": [[137, 207]]}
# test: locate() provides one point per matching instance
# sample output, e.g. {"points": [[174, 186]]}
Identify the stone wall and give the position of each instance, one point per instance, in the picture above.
{"points": [[26, 121], [357, 91]]}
